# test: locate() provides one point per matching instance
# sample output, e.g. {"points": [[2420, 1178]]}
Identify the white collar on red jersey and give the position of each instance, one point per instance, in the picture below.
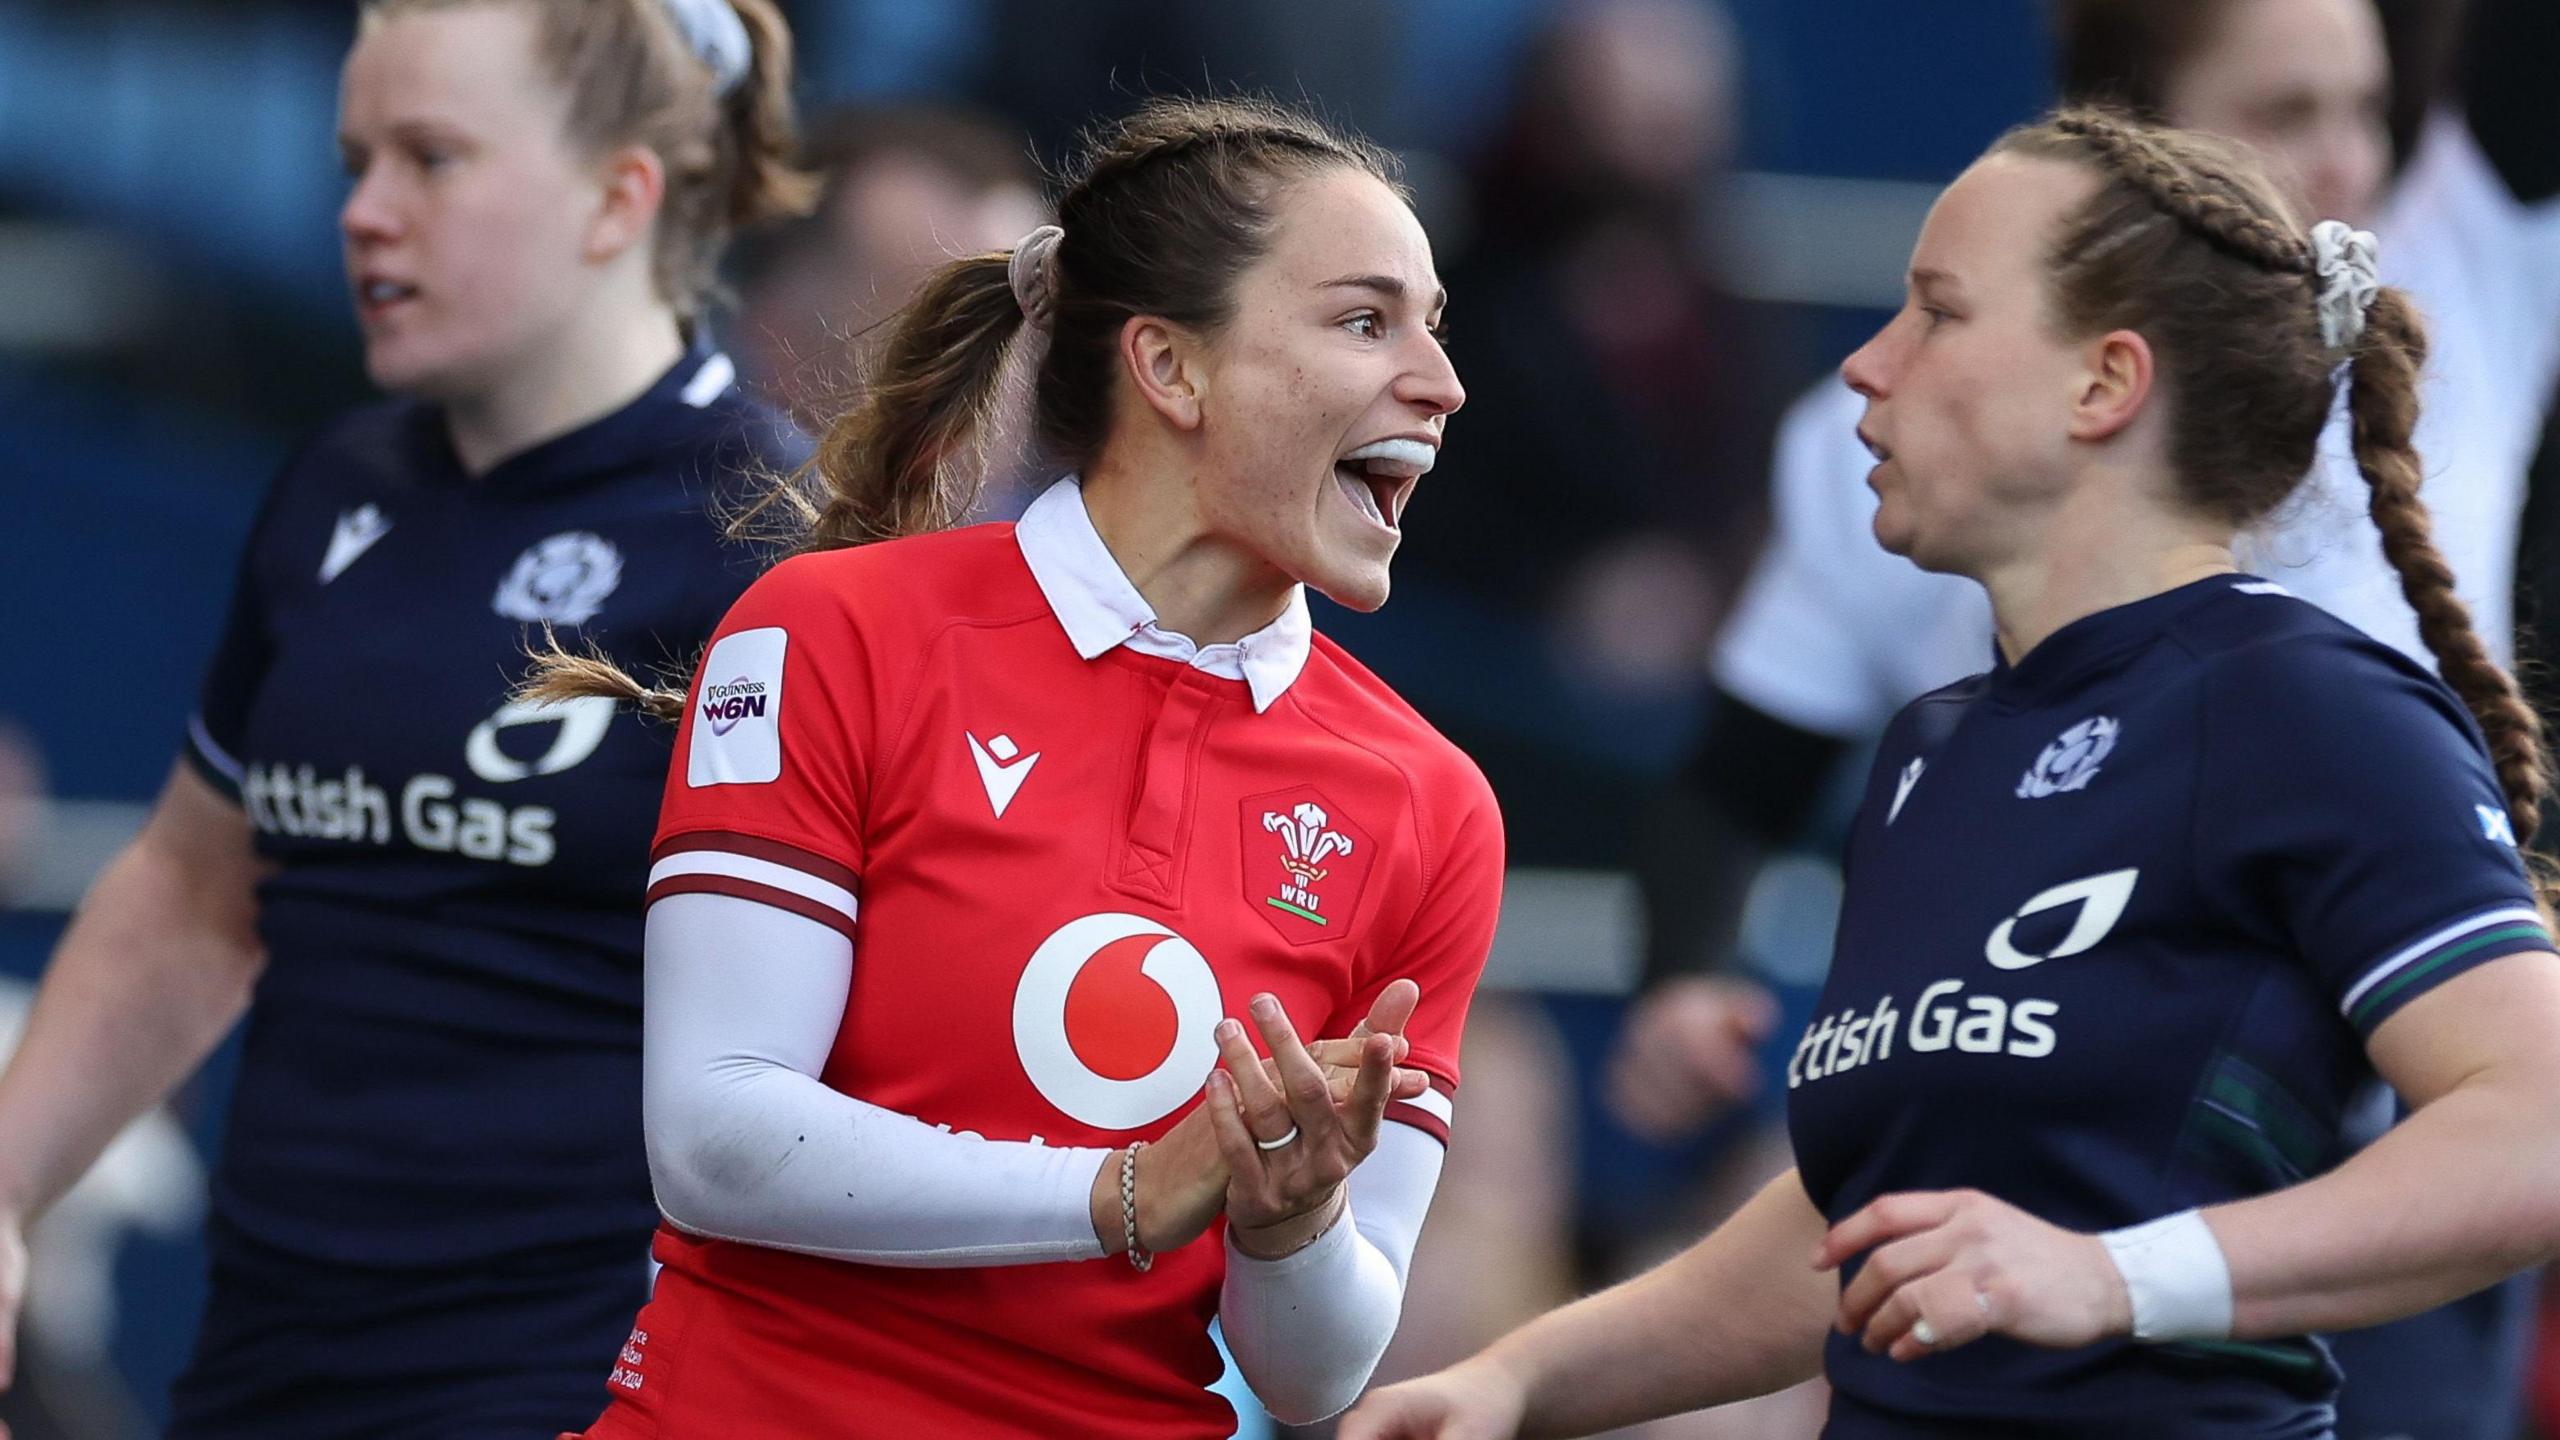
{"points": [[1101, 610]]}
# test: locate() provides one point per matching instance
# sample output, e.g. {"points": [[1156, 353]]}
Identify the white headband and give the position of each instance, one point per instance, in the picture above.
{"points": [[715, 33], [1034, 273], [2347, 261]]}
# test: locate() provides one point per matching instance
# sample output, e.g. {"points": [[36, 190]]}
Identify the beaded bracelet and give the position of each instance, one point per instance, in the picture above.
{"points": [[1138, 1259]]}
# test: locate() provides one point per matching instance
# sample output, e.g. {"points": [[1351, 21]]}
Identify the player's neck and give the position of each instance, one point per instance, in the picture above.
{"points": [[1200, 586], [2111, 548], [586, 370]]}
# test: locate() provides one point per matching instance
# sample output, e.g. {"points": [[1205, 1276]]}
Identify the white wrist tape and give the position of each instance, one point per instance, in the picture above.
{"points": [[2176, 1277]]}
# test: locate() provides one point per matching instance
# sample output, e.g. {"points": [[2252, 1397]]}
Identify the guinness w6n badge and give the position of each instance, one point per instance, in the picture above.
{"points": [[1305, 863]]}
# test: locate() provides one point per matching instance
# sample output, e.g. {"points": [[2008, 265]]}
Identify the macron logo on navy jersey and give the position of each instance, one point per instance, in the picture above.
{"points": [[1902, 788], [356, 532]]}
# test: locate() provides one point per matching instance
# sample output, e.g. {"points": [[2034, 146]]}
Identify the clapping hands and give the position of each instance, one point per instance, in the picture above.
{"points": [[1329, 1095], [1289, 1134]]}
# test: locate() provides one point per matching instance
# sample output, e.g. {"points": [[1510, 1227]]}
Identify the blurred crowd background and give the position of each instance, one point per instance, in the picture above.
{"points": [[1659, 221]]}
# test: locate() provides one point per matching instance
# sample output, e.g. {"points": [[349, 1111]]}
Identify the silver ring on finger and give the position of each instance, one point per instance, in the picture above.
{"points": [[1924, 1332], [1282, 1143]]}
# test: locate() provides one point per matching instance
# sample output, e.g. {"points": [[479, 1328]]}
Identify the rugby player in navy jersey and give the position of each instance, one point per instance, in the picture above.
{"points": [[1834, 635], [2128, 917], [432, 1212]]}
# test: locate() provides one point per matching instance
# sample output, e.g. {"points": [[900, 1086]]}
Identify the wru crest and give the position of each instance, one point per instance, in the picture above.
{"points": [[1302, 831]]}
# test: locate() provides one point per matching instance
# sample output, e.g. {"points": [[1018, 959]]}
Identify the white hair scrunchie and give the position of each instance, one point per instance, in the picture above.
{"points": [[1033, 270], [712, 29], [2348, 262]]}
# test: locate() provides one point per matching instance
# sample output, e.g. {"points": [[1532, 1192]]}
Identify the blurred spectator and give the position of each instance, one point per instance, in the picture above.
{"points": [[1056, 68], [1614, 443], [1601, 502], [906, 189]]}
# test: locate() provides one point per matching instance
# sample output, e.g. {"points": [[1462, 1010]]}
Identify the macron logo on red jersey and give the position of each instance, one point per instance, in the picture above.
{"points": [[1000, 769]]}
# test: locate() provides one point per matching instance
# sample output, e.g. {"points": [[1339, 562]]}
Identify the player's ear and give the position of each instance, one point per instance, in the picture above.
{"points": [[1162, 360], [2112, 386], [632, 185]]}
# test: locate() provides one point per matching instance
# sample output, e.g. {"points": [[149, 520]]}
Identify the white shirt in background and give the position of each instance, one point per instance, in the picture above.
{"points": [[1833, 635]]}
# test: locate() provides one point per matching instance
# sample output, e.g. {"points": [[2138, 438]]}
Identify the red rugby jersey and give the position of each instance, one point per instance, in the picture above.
{"points": [[1061, 861]]}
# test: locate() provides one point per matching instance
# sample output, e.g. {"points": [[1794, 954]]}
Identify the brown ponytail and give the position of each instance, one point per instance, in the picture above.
{"points": [[2187, 242], [905, 461], [910, 457], [1162, 214], [556, 673], [760, 129], [2382, 405]]}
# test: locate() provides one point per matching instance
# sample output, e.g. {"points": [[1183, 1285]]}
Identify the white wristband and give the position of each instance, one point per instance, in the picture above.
{"points": [[2175, 1276]]}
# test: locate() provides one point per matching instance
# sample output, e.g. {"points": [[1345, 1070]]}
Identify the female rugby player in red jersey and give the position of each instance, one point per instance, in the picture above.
{"points": [[976, 839], [2232, 849]]}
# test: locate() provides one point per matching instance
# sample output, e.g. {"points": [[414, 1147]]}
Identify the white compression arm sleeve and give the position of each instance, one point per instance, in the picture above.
{"points": [[747, 1144], [1308, 1329]]}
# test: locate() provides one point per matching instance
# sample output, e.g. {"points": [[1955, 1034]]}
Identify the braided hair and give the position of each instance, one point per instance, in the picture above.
{"points": [[2187, 242]]}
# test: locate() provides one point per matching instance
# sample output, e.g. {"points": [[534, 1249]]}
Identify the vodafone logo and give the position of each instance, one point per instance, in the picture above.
{"points": [[1114, 1020]]}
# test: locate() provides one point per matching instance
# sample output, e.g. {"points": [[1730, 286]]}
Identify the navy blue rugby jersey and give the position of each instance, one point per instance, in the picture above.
{"points": [[443, 1053], [2119, 920]]}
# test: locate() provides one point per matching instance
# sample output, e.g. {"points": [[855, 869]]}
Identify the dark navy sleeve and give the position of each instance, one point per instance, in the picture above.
{"points": [[219, 726], [2349, 810]]}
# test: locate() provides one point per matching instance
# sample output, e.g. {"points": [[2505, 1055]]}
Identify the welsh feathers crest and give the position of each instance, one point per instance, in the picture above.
{"points": [[2071, 761], [1309, 844], [1305, 863], [562, 581]]}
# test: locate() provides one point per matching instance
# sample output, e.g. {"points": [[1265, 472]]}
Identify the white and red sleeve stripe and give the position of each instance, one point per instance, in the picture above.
{"points": [[1429, 1111], [750, 867]]}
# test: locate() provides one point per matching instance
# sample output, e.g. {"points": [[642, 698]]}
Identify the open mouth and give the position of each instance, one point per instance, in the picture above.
{"points": [[1378, 478], [373, 297], [1874, 446]]}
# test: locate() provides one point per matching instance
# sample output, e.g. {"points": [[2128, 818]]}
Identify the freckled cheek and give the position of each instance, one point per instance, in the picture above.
{"points": [[1264, 468]]}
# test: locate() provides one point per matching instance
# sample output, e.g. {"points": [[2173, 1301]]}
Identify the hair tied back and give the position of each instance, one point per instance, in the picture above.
{"points": [[713, 31], [2348, 263], [1033, 271]]}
